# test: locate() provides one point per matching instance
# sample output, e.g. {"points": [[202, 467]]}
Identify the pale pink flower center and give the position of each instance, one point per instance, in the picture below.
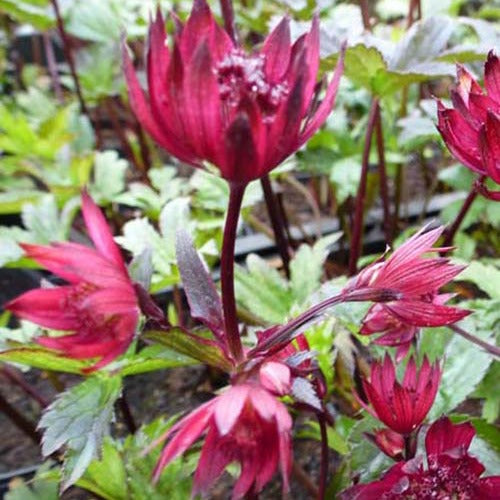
{"points": [[241, 76]]}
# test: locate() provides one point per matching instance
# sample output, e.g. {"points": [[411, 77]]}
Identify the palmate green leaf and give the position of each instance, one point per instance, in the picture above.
{"points": [[488, 390], [28, 11], [109, 176], [465, 364], [123, 472], [44, 359], [79, 419], [486, 277]]}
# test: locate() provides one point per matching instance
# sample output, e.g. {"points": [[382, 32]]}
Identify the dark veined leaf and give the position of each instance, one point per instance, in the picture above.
{"points": [[204, 301]]}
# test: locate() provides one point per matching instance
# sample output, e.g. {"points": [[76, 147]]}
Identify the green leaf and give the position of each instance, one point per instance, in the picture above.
{"points": [[12, 202], [38, 488], [464, 367], [79, 419], [44, 359], [262, 290], [28, 11], [486, 277], [192, 346], [344, 175], [153, 358], [488, 390], [109, 176], [335, 440]]}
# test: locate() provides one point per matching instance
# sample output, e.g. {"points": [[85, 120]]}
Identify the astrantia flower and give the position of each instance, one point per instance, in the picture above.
{"points": [[471, 129], [401, 406], [245, 424], [451, 472], [389, 442], [395, 331], [209, 100], [416, 281], [98, 304]]}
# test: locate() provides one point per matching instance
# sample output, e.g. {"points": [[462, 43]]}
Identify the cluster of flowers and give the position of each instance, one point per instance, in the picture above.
{"points": [[245, 113]]}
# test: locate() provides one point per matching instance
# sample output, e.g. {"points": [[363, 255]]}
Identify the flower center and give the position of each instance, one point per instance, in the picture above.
{"points": [[241, 76]]}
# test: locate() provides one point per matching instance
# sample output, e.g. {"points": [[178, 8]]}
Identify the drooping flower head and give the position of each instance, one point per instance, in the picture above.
{"points": [[245, 424], [450, 473], [416, 280], [98, 304], [210, 100], [401, 406], [471, 129]]}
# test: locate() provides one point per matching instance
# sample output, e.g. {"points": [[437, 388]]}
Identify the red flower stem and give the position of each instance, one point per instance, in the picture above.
{"points": [[19, 420], [365, 14], [52, 66], [452, 230], [228, 16], [277, 224], [283, 334], [492, 349], [16, 378], [384, 192], [360, 198], [324, 458], [233, 339], [68, 54]]}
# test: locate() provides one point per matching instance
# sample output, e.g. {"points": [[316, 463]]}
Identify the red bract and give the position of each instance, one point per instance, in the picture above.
{"points": [[401, 407], [416, 281], [451, 471], [471, 129], [245, 424], [209, 100], [389, 442], [396, 332], [99, 303]]}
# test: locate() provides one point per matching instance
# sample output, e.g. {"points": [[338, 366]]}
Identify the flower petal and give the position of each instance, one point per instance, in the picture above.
{"points": [[276, 51]]}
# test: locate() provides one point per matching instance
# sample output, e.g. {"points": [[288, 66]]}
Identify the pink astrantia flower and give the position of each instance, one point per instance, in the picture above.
{"points": [[416, 281], [99, 303], [451, 472], [245, 424], [401, 406], [389, 442], [471, 129], [209, 100]]}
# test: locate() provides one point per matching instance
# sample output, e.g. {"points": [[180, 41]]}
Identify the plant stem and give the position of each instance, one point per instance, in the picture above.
{"points": [[452, 230], [492, 349], [384, 192], [68, 54], [16, 378], [365, 14], [282, 335], [360, 198], [52, 66], [19, 420], [127, 414], [276, 223], [233, 339], [324, 458], [228, 16]]}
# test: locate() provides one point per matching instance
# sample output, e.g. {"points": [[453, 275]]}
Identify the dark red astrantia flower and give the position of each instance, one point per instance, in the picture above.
{"points": [[416, 281], [209, 100], [99, 303], [451, 472], [471, 129], [401, 407], [245, 424]]}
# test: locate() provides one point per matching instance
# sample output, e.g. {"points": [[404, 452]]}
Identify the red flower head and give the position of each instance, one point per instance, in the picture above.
{"points": [[245, 424], [451, 472], [471, 129], [99, 303], [209, 100], [416, 281], [401, 407]]}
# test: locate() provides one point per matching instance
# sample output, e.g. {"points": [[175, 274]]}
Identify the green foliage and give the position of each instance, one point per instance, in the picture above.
{"points": [[39, 488], [79, 419]]}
